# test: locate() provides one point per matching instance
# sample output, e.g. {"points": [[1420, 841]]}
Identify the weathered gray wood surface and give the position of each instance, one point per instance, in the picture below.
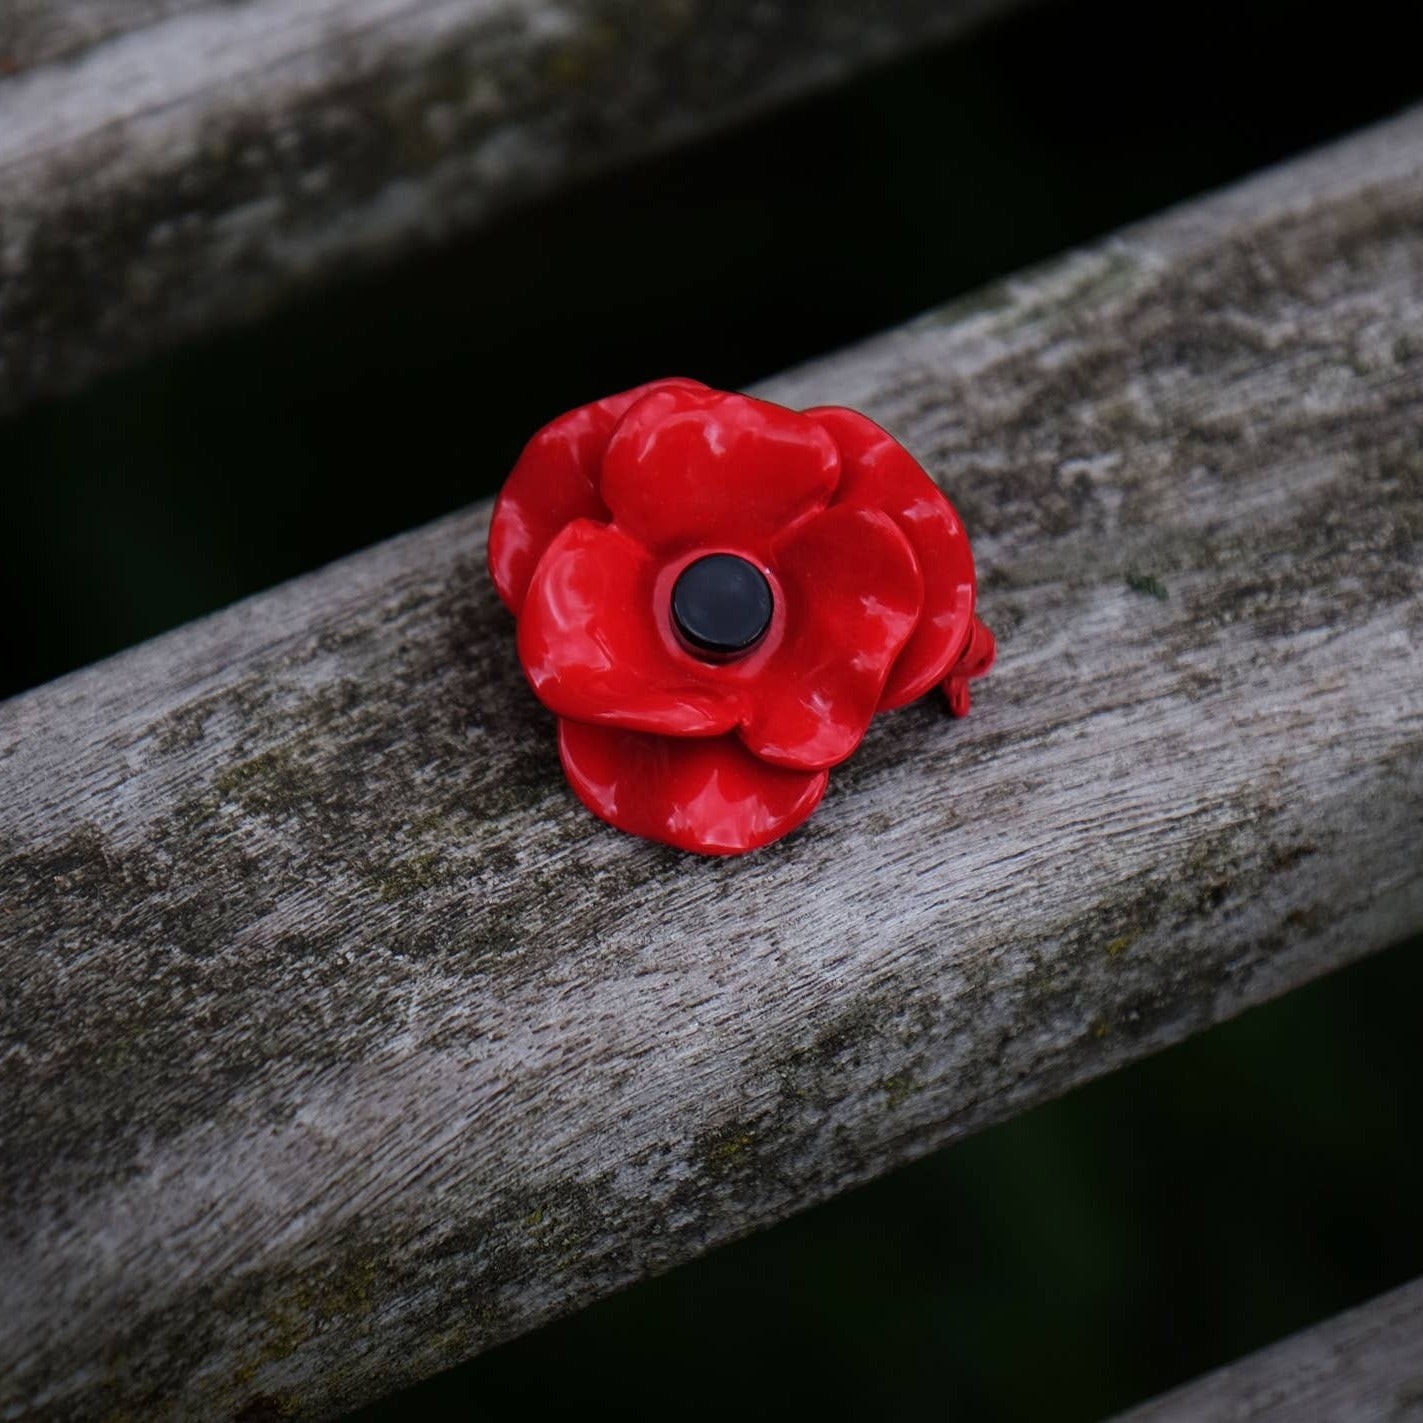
{"points": [[339, 1042], [168, 165], [1366, 1366]]}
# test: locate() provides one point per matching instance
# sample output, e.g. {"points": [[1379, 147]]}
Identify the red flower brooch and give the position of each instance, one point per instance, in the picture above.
{"points": [[715, 595]]}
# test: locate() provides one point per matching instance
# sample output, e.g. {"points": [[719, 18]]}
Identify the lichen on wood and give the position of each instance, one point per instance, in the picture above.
{"points": [[338, 1042]]}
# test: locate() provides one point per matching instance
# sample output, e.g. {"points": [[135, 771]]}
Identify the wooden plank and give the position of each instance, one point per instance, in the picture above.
{"points": [[340, 1043], [170, 165], [1363, 1367]]}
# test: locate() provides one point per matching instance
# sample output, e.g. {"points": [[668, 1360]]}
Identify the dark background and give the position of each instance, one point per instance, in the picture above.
{"points": [[1066, 1264]]}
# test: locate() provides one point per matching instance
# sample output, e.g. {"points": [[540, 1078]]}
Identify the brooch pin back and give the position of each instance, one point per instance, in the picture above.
{"points": [[716, 594]]}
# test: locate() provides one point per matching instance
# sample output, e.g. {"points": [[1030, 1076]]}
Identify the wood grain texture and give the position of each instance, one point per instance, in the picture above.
{"points": [[170, 165], [340, 1043], [1366, 1366]]}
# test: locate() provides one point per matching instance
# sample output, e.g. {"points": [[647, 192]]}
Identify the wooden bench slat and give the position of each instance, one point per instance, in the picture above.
{"points": [[167, 166], [337, 1042], [1362, 1367]]}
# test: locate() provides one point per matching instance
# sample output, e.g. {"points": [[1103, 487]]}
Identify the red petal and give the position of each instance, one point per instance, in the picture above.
{"points": [[704, 468], [852, 592], [704, 793], [878, 472], [591, 646], [976, 658], [554, 482]]}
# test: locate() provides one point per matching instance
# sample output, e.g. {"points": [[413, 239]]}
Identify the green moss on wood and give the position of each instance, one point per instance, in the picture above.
{"points": [[1149, 584]]}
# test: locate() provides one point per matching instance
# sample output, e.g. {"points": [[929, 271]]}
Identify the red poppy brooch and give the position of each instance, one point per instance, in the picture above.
{"points": [[715, 595]]}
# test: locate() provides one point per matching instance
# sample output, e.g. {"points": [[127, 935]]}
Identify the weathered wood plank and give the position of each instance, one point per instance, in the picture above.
{"points": [[1366, 1366], [170, 165], [339, 1043]]}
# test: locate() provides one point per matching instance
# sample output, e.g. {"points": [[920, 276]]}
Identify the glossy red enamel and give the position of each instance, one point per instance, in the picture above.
{"points": [[703, 793], [852, 594], [872, 587], [878, 472], [688, 469]]}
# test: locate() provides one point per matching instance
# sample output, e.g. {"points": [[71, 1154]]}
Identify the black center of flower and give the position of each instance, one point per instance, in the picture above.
{"points": [[721, 605]]}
